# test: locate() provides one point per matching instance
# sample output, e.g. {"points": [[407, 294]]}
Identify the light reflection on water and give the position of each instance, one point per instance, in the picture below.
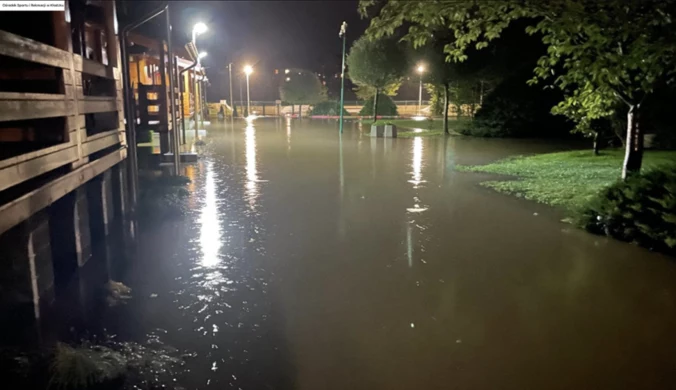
{"points": [[251, 169], [210, 230], [417, 163]]}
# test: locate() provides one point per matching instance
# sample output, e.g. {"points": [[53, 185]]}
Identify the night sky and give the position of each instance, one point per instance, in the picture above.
{"points": [[269, 35]]}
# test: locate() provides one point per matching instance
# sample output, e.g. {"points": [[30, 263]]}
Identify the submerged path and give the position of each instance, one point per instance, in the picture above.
{"points": [[310, 262]]}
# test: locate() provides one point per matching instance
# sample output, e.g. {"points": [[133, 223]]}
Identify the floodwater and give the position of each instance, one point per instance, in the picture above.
{"points": [[312, 261]]}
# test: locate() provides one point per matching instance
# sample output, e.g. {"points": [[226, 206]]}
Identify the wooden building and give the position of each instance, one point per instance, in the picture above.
{"points": [[62, 144], [149, 80]]}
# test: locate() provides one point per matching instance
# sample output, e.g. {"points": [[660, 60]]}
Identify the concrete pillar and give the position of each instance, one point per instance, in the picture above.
{"points": [[70, 233], [83, 241], [100, 202], [119, 190], [62, 233], [26, 271]]}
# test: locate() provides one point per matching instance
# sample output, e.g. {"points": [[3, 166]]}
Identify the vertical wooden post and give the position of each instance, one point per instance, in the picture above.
{"points": [[111, 33]]}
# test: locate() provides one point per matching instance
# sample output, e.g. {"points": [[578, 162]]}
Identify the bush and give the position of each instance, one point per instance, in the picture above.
{"points": [[641, 210], [386, 106], [515, 109], [329, 107]]}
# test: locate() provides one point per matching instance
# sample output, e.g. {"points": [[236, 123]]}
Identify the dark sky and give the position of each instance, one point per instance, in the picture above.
{"points": [[270, 35]]}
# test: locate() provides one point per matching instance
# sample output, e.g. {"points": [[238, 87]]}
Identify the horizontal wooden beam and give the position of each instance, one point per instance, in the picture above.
{"points": [[90, 106], [14, 110], [35, 154], [101, 141], [95, 68], [28, 169], [31, 96], [17, 211], [16, 46]]}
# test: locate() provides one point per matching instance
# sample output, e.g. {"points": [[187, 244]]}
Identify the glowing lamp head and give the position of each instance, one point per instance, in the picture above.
{"points": [[202, 55], [248, 70], [421, 68], [199, 28], [286, 71]]}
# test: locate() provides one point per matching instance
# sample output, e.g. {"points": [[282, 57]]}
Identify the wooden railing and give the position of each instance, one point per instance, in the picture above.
{"points": [[80, 154]]}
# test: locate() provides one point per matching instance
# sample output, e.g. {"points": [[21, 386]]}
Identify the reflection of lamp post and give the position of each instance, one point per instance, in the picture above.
{"points": [[343, 28], [248, 70], [199, 28], [421, 69]]}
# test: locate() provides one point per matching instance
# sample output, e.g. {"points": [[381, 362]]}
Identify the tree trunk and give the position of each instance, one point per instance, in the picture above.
{"points": [[633, 156], [481, 95], [596, 144], [446, 109], [375, 107]]}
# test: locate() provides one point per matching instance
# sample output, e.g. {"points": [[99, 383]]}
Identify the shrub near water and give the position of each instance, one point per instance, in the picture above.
{"points": [[386, 106], [641, 209], [329, 107]]}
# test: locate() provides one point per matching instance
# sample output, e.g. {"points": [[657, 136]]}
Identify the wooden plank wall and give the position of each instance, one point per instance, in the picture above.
{"points": [[72, 104]]}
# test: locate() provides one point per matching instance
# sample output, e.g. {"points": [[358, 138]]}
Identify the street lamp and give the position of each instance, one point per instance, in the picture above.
{"points": [[343, 29], [199, 28], [248, 70], [421, 69]]}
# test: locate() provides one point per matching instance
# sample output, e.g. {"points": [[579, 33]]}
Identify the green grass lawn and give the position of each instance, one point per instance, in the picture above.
{"points": [[409, 128], [565, 179]]}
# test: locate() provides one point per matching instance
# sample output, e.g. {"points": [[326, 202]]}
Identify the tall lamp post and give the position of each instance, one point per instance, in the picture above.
{"points": [[199, 57], [199, 28], [232, 103], [421, 69], [247, 71], [343, 28]]}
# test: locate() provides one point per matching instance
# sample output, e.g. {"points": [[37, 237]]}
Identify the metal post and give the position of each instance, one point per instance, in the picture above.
{"points": [[172, 96], [248, 98], [194, 42], [343, 28], [232, 102], [180, 88], [203, 99], [420, 97]]}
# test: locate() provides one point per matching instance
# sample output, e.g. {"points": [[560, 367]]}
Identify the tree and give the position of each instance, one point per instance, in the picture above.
{"points": [[439, 74], [302, 87], [376, 64], [598, 51], [364, 92]]}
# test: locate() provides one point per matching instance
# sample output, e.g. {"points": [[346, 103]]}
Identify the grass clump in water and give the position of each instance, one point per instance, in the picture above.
{"points": [[84, 367], [565, 179]]}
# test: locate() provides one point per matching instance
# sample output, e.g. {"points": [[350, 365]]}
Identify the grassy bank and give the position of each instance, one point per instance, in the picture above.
{"points": [[409, 128], [566, 179]]}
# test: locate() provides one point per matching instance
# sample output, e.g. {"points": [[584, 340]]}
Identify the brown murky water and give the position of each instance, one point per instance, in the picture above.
{"points": [[311, 262]]}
